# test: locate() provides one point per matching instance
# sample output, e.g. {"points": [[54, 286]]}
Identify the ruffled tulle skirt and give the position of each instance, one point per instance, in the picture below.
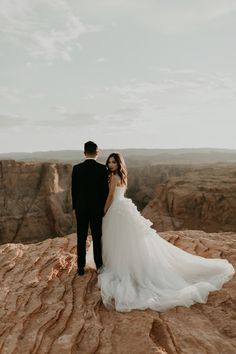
{"points": [[142, 270]]}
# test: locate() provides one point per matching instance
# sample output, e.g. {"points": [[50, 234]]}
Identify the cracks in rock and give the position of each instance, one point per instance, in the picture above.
{"points": [[3, 185], [36, 310], [37, 191], [65, 314], [92, 324], [161, 335]]}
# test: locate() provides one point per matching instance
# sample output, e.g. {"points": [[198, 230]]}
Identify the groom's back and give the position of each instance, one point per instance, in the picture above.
{"points": [[91, 184]]}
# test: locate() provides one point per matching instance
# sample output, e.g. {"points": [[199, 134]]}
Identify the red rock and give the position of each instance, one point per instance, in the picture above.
{"points": [[201, 199], [47, 308], [35, 201]]}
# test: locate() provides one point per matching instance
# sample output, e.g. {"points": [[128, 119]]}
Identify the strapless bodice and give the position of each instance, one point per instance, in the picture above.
{"points": [[119, 192]]}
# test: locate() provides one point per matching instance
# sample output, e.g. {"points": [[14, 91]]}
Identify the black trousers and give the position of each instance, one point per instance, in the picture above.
{"points": [[85, 217]]}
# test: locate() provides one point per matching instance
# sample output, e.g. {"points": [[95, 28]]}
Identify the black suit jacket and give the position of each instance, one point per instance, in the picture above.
{"points": [[89, 186]]}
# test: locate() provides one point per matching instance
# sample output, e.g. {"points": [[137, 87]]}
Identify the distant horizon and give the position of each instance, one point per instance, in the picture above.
{"points": [[117, 148]]}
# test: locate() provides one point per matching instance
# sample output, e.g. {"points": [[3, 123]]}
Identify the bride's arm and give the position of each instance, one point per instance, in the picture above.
{"points": [[112, 187]]}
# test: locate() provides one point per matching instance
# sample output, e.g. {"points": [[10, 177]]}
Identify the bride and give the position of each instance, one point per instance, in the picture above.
{"points": [[142, 270]]}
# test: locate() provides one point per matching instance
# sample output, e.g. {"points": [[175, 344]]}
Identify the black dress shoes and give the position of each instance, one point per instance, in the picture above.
{"points": [[81, 271]]}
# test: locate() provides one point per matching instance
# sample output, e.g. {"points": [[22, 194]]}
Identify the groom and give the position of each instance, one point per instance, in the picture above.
{"points": [[89, 190]]}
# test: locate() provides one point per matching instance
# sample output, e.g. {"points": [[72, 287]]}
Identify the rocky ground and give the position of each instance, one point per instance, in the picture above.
{"points": [[47, 308]]}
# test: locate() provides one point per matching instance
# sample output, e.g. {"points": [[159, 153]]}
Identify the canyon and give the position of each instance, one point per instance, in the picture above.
{"points": [[47, 308], [35, 198]]}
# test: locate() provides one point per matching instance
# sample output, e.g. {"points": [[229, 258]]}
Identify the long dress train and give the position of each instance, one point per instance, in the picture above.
{"points": [[142, 270]]}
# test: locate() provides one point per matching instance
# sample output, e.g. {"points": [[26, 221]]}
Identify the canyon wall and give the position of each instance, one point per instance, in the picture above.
{"points": [[35, 198], [35, 201], [201, 199]]}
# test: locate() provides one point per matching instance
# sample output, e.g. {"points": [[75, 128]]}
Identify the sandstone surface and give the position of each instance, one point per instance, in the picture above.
{"points": [[47, 308]]}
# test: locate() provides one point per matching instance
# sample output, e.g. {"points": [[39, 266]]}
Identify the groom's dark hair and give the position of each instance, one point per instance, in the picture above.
{"points": [[90, 147]]}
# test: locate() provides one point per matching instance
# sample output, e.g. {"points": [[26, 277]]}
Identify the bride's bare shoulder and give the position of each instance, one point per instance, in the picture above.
{"points": [[116, 179]]}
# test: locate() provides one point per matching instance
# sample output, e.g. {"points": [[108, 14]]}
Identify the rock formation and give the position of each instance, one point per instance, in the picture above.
{"points": [[35, 198], [201, 199], [35, 201], [47, 308], [143, 181]]}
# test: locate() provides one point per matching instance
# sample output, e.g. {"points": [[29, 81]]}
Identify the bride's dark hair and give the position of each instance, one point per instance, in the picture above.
{"points": [[122, 170]]}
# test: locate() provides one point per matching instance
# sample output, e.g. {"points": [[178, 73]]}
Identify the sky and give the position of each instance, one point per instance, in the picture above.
{"points": [[125, 74]]}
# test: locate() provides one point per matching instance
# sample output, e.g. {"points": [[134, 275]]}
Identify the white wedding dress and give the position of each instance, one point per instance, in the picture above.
{"points": [[142, 270]]}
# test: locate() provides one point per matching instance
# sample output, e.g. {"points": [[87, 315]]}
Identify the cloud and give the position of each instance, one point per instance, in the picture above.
{"points": [[101, 60], [164, 16], [13, 95], [178, 94], [10, 95], [8, 120], [117, 118], [171, 17], [54, 44], [184, 94], [67, 118], [48, 29], [120, 118]]}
